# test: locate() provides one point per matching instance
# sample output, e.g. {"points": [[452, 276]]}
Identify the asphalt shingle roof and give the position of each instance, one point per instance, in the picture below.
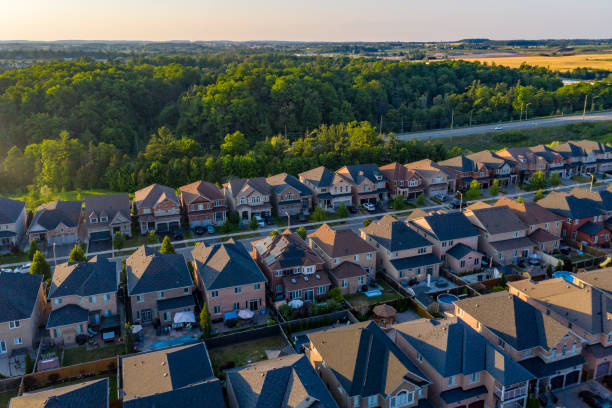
{"points": [[347, 270], [284, 251], [281, 382], [10, 210], [150, 271], [175, 303], [204, 189], [395, 235], [415, 262], [590, 228], [570, 206], [18, 294], [337, 243], [459, 251], [97, 276], [459, 394], [280, 181], [451, 347], [365, 360], [448, 226], [50, 215], [150, 196], [498, 220], [541, 369], [226, 265], [111, 206], [358, 172], [67, 315], [90, 394], [208, 394]]}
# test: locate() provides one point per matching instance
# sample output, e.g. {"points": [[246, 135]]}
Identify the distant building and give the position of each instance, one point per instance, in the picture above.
{"points": [[56, 222], [157, 208], [203, 204], [12, 223], [330, 190]]}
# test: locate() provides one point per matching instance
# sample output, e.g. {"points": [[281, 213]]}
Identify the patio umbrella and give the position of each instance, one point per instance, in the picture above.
{"points": [[296, 303], [184, 317], [246, 314], [136, 329]]}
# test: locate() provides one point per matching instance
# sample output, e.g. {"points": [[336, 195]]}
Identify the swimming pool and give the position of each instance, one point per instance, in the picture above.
{"points": [[567, 275], [373, 293], [174, 342], [445, 301]]}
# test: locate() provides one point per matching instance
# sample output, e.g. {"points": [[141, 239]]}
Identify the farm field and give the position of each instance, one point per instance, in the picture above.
{"points": [[560, 63]]}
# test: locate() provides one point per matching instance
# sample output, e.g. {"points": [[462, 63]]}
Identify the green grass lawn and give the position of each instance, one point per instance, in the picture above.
{"points": [[361, 300], [136, 241], [5, 397], [242, 353], [13, 258], [80, 354]]}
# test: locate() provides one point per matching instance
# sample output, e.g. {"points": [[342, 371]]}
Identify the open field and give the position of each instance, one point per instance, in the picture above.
{"points": [[559, 63], [45, 196]]}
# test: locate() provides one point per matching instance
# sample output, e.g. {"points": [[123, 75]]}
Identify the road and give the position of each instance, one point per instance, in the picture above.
{"points": [[516, 125]]}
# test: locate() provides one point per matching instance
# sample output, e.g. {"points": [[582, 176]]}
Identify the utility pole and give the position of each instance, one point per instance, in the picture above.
{"points": [[584, 110]]}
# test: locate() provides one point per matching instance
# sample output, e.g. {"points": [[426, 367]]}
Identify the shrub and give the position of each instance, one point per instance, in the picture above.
{"points": [[367, 222], [302, 232], [118, 241], [421, 200], [342, 211], [336, 294]]}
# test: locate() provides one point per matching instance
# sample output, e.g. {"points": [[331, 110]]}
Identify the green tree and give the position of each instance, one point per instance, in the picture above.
{"points": [[398, 203], [118, 240], [151, 238], [167, 247], [274, 233], [502, 281], [549, 271], [336, 294], [538, 180], [538, 196], [77, 254], [235, 144], [302, 233], [342, 211], [32, 249], [253, 225], [473, 193], [520, 200], [40, 266], [205, 323], [554, 179], [494, 189], [367, 222], [123, 277], [420, 200], [128, 339], [318, 215]]}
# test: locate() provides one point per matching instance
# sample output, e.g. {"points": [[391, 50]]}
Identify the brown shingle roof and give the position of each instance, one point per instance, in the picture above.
{"points": [[284, 251], [155, 193], [541, 235], [336, 243], [197, 189], [529, 213], [498, 220], [395, 171], [301, 281], [347, 270]]}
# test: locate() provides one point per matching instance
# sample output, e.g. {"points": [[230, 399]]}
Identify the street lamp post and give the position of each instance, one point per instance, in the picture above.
{"points": [[592, 179], [288, 219], [460, 200]]}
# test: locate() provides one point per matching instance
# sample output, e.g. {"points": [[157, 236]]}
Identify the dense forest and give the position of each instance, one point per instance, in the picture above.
{"points": [[84, 123]]}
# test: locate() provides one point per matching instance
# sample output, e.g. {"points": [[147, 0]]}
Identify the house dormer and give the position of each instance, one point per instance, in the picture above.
{"points": [[93, 218]]}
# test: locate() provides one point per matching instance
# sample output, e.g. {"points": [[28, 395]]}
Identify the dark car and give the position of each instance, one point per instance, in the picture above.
{"points": [[199, 230], [592, 400], [302, 217], [210, 228], [353, 209], [177, 234], [455, 203]]}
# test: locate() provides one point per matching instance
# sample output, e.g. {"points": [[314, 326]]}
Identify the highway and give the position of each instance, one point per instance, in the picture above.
{"points": [[515, 125]]}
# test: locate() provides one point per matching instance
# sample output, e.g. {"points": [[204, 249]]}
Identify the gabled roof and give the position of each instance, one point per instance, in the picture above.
{"points": [[67, 315], [529, 213], [460, 164], [590, 228], [281, 181], [541, 235], [603, 198], [426, 168], [321, 177], [515, 321], [97, 276], [592, 146], [10, 210], [18, 294], [111, 206], [395, 171], [158, 372], [52, 214], [415, 261], [451, 347], [570, 206], [258, 184], [226, 265], [347, 270], [90, 394], [357, 173], [288, 381], [394, 235], [149, 197], [285, 250], [489, 159], [203, 395], [365, 360], [150, 271], [545, 152], [446, 226], [600, 279], [336, 243], [568, 150], [204, 189], [460, 251], [497, 220]]}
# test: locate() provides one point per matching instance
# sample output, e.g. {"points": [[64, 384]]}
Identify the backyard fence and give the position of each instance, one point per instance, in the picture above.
{"points": [[239, 337], [9, 384]]}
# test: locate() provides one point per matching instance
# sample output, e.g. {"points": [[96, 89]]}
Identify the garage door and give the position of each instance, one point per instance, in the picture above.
{"points": [[572, 378], [602, 369], [477, 404], [162, 227], [195, 223], [174, 225], [100, 236], [556, 382]]}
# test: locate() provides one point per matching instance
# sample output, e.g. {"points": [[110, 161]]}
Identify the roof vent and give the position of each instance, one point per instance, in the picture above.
{"points": [[318, 276], [165, 374], [163, 363], [293, 280]]}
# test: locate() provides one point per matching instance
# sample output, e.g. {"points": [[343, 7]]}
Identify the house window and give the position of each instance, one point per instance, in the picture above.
{"points": [[214, 293], [166, 316], [356, 401], [344, 283], [236, 306], [93, 299], [320, 290], [57, 333], [413, 183], [356, 258], [161, 294], [79, 329], [93, 220], [18, 340], [217, 309], [257, 286], [57, 301], [237, 289], [242, 200], [200, 207], [107, 312], [218, 203], [103, 219], [279, 274], [139, 298], [336, 261], [360, 280], [516, 234], [574, 348], [186, 291], [419, 357], [557, 224], [474, 378], [463, 264], [369, 256], [422, 250], [451, 380], [106, 297], [553, 353], [501, 343], [564, 350], [546, 226], [476, 261], [14, 324]]}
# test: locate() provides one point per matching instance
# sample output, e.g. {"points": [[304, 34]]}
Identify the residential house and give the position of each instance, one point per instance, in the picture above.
{"points": [[292, 268], [403, 254], [83, 294], [157, 208], [173, 377], [363, 367], [337, 246], [454, 239], [598, 153], [583, 308], [437, 180], [249, 197], [349, 277], [159, 286], [56, 222], [88, 394], [528, 161], [106, 215], [284, 381], [556, 162], [229, 279], [22, 307], [484, 167], [546, 348], [544, 226], [12, 223], [583, 217], [402, 181], [465, 369], [203, 204], [503, 236], [368, 183], [289, 195], [330, 190]]}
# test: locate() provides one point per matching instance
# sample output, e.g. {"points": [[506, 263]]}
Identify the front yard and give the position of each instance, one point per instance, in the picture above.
{"points": [[359, 300], [240, 354], [81, 354]]}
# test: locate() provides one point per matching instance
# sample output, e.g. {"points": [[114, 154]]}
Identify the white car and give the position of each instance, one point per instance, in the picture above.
{"points": [[369, 206], [498, 128]]}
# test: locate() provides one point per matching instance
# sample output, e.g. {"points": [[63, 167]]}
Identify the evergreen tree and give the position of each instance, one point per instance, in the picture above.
{"points": [[167, 247], [40, 266], [77, 254], [129, 339], [205, 320], [302, 233], [32, 250]]}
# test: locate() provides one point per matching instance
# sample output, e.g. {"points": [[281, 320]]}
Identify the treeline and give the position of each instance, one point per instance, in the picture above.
{"points": [[207, 97], [67, 164]]}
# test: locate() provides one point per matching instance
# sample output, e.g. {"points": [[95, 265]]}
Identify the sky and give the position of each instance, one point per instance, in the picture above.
{"points": [[308, 20]]}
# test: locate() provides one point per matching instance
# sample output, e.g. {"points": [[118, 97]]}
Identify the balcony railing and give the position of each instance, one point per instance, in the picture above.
{"points": [[511, 394]]}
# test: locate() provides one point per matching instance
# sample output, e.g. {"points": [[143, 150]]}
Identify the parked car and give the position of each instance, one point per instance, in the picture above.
{"points": [[210, 229], [199, 230], [455, 203], [593, 400], [302, 217], [353, 209], [370, 207], [260, 221], [177, 234]]}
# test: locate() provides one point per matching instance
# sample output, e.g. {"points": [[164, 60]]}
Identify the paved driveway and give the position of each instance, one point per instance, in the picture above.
{"points": [[60, 251], [568, 398], [99, 246]]}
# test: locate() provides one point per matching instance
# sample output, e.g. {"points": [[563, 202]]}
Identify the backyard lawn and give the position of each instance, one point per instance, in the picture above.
{"points": [[360, 300], [77, 355], [5, 397], [242, 353]]}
